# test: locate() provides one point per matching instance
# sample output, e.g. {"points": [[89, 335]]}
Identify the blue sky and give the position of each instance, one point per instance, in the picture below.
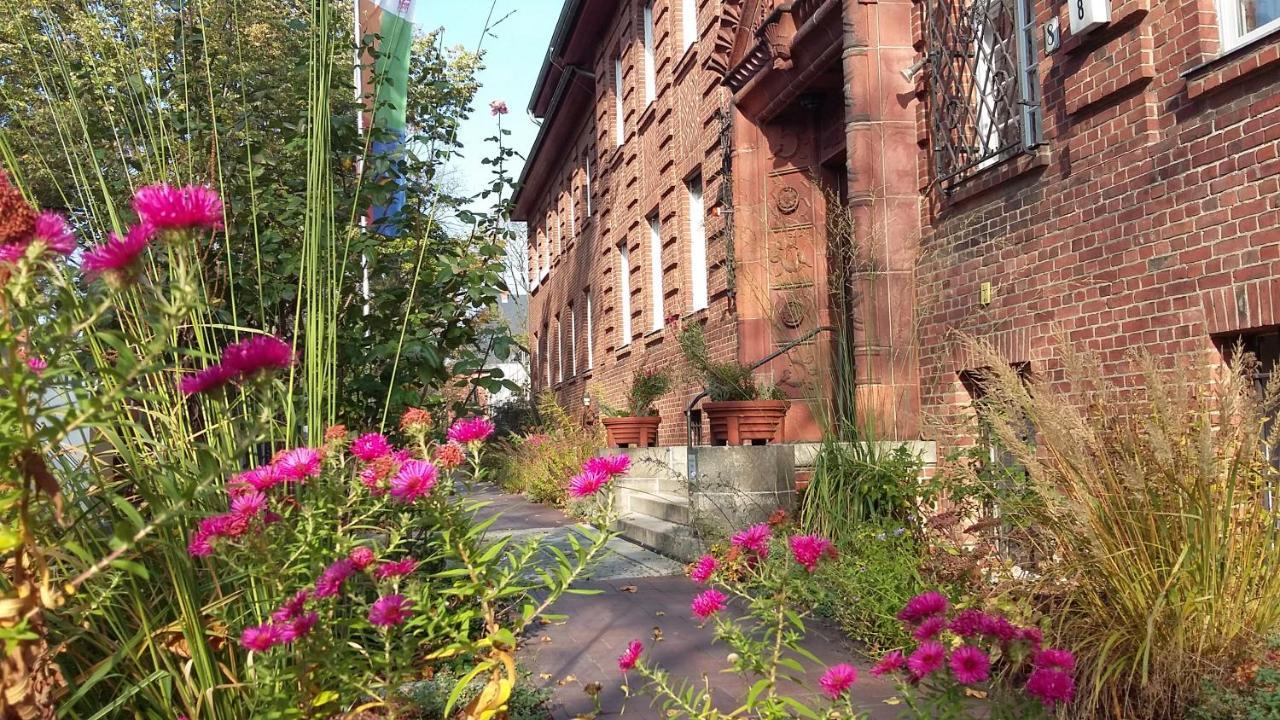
{"points": [[512, 61]]}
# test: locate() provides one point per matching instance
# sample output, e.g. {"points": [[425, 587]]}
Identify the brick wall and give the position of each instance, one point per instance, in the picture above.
{"points": [[1149, 220], [667, 141]]}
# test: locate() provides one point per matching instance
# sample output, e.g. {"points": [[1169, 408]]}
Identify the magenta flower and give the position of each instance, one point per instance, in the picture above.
{"points": [[256, 354], [389, 610], [331, 580], [999, 627], [1051, 686], [51, 229], [608, 464], [927, 658], [930, 627], [292, 607], [199, 545], [1056, 659], [704, 569], [396, 568], [837, 680], [260, 478], [301, 626], [210, 378], [415, 479], [12, 252], [299, 464], [170, 208], [249, 504], [118, 254], [261, 638], [970, 665], [587, 483], [890, 663], [754, 539], [708, 603], [809, 549], [37, 365], [371, 478], [1033, 636], [470, 430], [968, 623], [628, 659], [370, 447], [498, 107], [362, 557], [924, 605]]}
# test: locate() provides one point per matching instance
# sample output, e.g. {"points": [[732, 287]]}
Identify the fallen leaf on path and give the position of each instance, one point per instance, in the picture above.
{"points": [[544, 676], [627, 588], [980, 694], [895, 700], [657, 634], [567, 679]]}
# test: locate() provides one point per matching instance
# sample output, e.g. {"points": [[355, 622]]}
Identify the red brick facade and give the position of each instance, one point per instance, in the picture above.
{"points": [[1145, 213]]}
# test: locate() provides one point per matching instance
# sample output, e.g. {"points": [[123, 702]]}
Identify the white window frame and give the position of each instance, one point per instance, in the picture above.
{"points": [[559, 349], [1231, 25], [698, 276], [619, 121], [650, 57], [573, 341], [590, 330], [573, 215], [546, 256], [689, 23], [624, 295], [655, 274], [587, 190]]}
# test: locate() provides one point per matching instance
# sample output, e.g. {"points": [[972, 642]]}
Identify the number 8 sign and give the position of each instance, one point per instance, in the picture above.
{"points": [[1087, 15]]}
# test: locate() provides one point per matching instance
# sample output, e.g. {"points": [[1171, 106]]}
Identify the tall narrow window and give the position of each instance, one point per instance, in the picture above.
{"points": [[655, 272], [697, 246], [533, 260], [588, 188], [573, 214], [689, 22], [546, 360], [559, 349], [558, 229], [1244, 20], [590, 330], [573, 341], [624, 295], [619, 122], [650, 65], [544, 245]]}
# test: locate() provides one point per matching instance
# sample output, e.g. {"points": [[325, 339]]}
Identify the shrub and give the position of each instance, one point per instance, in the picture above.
{"points": [[725, 380], [538, 463], [1252, 693], [860, 481], [1159, 558], [873, 577]]}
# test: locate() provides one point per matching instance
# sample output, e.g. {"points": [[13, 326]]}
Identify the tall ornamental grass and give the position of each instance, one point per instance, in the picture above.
{"points": [[1152, 485]]}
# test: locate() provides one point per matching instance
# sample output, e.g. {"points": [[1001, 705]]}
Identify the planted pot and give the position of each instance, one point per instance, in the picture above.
{"points": [[734, 422], [623, 432]]}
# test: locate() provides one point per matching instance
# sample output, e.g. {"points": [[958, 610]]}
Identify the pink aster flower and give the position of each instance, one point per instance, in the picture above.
{"points": [[331, 580], [397, 568], [927, 658], [968, 623], [585, 484], [261, 638], [117, 255], [415, 479], [170, 208], [370, 447], [890, 663], [929, 628], [837, 680], [755, 539], [51, 229], [611, 465], [299, 464], [809, 549], [999, 627], [260, 478], [389, 610], [708, 603], [301, 626], [210, 378], [12, 252], [199, 545], [37, 365], [470, 430], [292, 607], [704, 569], [498, 107], [256, 354], [1056, 659], [362, 557], [924, 605], [1050, 686], [970, 665], [1032, 635], [628, 659], [372, 479], [249, 505]]}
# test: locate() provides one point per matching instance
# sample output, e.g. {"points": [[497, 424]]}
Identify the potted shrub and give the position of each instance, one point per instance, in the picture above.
{"points": [[738, 408], [637, 424]]}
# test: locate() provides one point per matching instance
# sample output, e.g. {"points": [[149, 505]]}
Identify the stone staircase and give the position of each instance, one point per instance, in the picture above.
{"points": [[655, 509]]}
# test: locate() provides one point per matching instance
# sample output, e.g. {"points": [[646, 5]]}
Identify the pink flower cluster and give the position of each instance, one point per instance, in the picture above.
{"points": [[161, 209], [809, 549], [288, 623], [449, 456], [596, 473], [20, 230], [754, 540], [837, 680], [468, 431], [1050, 677], [248, 500], [240, 361], [708, 603]]}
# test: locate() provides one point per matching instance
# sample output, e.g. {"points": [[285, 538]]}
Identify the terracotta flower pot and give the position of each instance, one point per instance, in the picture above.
{"points": [[624, 432], [752, 421]]}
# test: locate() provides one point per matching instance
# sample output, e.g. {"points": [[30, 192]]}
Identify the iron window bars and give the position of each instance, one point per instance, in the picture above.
{"points": [[984, 92]]}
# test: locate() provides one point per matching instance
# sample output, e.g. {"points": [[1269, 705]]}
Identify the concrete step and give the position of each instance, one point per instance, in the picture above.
{"points": [[664, 506], [671, 539]]}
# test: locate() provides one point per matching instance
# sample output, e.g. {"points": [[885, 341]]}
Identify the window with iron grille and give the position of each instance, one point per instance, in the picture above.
{"points": [[984, 88]]}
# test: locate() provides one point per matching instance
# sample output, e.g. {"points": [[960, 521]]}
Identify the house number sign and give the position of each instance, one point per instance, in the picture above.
{"points": [[1088, 15]]}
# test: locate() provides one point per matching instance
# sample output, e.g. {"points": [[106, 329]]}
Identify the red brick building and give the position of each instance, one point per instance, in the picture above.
{"points": [[1003, 175]]}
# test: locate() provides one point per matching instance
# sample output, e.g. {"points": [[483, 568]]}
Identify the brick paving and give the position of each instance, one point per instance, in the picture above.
{"points": [[643, 595]]}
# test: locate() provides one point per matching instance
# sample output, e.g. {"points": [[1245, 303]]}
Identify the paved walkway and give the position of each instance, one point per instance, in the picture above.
{"points": [[644, 596]]}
